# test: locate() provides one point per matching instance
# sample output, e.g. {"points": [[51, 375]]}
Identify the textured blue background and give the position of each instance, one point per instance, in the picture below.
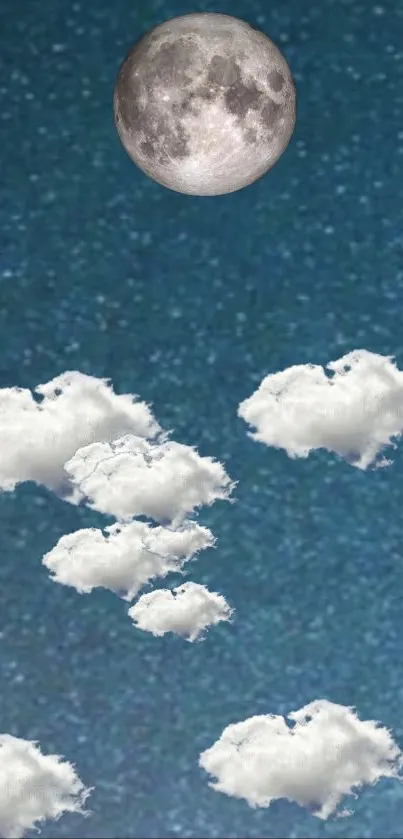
{"points": [[190, 302]]}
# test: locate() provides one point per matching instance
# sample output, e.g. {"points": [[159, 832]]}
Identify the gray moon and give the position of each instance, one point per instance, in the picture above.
{"points": [[205, 104]]}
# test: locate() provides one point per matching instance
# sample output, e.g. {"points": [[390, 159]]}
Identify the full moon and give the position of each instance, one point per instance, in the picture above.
{"points": [[205, 104]]}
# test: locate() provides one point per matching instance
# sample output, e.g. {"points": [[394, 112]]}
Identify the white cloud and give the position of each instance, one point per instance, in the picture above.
{"points": [[187, 610], [354, 412], [328, 754], [133, 477], [39, 434], [35, 787], [124, 557]]}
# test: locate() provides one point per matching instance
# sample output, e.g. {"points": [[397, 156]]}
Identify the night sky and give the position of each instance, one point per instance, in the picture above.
{"points": [[189, 302]]}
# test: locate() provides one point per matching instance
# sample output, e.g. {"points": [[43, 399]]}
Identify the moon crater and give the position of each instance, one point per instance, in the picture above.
{"points": [[204, 104]]}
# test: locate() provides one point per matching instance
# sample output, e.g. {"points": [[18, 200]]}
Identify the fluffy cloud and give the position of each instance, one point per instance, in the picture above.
{"points": [[40, 431], [187, 610], [327, 754], [132, 477], [34, 787], [124, 557], [354, 411]]}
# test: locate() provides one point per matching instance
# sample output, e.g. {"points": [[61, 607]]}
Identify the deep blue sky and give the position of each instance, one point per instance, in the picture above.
{"points": [[190, 302]]}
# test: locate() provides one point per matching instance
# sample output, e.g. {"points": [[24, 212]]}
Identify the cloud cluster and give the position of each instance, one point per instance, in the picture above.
{"points": [[87, 444], [35, 787], [133, 477], [41, 430], [187, 611], [325, 753], [354, 411], [124, 557]]}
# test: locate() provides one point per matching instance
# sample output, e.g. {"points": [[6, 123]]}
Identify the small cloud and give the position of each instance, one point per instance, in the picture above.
{"points": [[354, 412], [124, 557], [187, 610], [40, 431], [132, 477], [35, 787], [328, 753]]}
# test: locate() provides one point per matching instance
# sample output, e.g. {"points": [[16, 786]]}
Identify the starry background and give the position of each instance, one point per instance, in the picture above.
{"points": [[189, 302]]}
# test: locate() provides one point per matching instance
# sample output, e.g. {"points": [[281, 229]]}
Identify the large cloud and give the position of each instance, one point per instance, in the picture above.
{"points": [[355, 411], [187, 611], [40, 431], [34, 787], [125, 557], [327, 754], [132, 477]]}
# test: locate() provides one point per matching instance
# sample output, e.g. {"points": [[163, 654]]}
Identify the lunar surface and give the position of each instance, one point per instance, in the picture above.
{"points": [[205, 104]]}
